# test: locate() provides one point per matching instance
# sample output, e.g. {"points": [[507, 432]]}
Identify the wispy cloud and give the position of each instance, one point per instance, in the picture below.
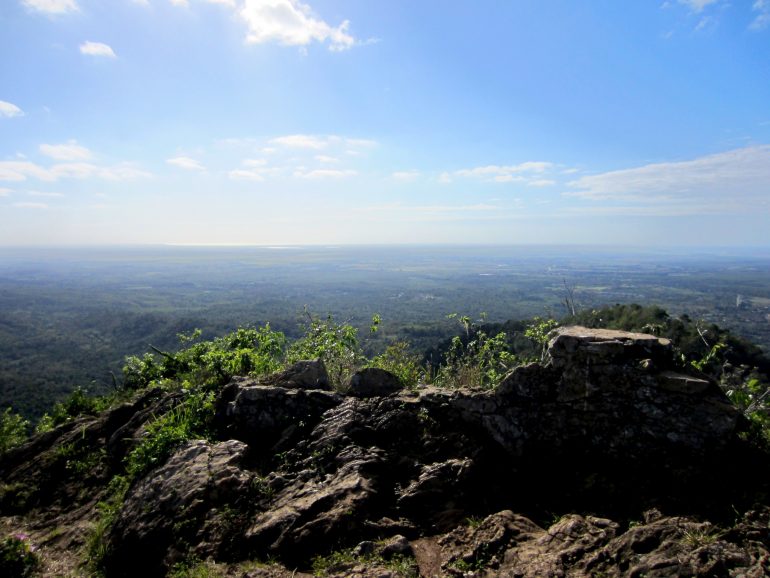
{"points": [[255, 170], [405, 176], [301, 141], [5, 192], [22, 170], [8, 109], [737, 180], [762, 19], [44, 194], [432, 213], [324, 174], [30, 205], [246, 175], [291, 23], [698, 5], [97, 49], [531, 173], [52, 6], [71, 151], [186, 163]]}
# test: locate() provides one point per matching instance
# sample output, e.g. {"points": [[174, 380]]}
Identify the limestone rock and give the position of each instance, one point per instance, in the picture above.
{"points": [[178, 505], [373, 382], [308, 374], [608, 426]]}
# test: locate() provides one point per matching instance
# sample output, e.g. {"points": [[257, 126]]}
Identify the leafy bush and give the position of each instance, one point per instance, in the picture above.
{"points": [[246, 351], [76, 404], [398, 360], [477, 361], [13, 430], [336, 344], [191, 419]]}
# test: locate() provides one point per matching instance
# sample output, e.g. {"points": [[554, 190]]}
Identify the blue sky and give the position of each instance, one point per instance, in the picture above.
{"points": [[639, 122]]}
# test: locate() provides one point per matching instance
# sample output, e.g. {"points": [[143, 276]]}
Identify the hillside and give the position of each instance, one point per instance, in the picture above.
{"points": [[610, 457]]}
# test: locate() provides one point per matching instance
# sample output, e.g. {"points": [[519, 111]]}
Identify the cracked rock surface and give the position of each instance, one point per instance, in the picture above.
{"points": [[459, 482]]}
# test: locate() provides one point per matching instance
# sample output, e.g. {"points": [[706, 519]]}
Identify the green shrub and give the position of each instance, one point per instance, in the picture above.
{"points": [[76, 404], [398, 360], [13, 430], [191, 419], [336, 344], [476, 361], [246, 351]]}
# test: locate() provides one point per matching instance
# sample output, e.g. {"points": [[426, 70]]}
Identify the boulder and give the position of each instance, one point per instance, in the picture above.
{"points": [[308, 374], [373, 382]]}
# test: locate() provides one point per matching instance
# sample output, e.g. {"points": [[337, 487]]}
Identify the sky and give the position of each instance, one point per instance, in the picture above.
{"points": [[285, 122]]}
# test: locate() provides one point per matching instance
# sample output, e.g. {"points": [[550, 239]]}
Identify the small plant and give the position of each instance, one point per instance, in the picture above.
{"points": [[697, 537], [323, 565], [17, 557], [96, 542], [539, 331], [194, 568]]}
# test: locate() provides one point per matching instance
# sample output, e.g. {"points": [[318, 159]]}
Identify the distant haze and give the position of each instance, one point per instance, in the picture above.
{"points": [[299, 122]]}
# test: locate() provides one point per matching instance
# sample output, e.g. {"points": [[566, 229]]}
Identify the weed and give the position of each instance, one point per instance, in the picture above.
{"points": [[697, 537]]}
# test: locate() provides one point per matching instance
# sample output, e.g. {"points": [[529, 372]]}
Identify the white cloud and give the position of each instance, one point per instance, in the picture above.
{"points": [[326, 159], [141, 2], [324, 174], [71, 151], [257, 171], [21, 170], [737, 180], [186, 163], [405, 176], [43, 194], [697, 5], [52, 6], [246, 175], [28, 205], [9, 109], [359, 143], [183, 3], [291, 23], [301, 141], [5, 192], [97, 49], [530, 173]]}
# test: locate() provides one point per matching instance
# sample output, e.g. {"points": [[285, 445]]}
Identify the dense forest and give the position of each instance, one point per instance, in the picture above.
{"points": [[68, 319]]}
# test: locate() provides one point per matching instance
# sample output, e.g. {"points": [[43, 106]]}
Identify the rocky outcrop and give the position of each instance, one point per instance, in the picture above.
{"points": [[609, 425]]}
